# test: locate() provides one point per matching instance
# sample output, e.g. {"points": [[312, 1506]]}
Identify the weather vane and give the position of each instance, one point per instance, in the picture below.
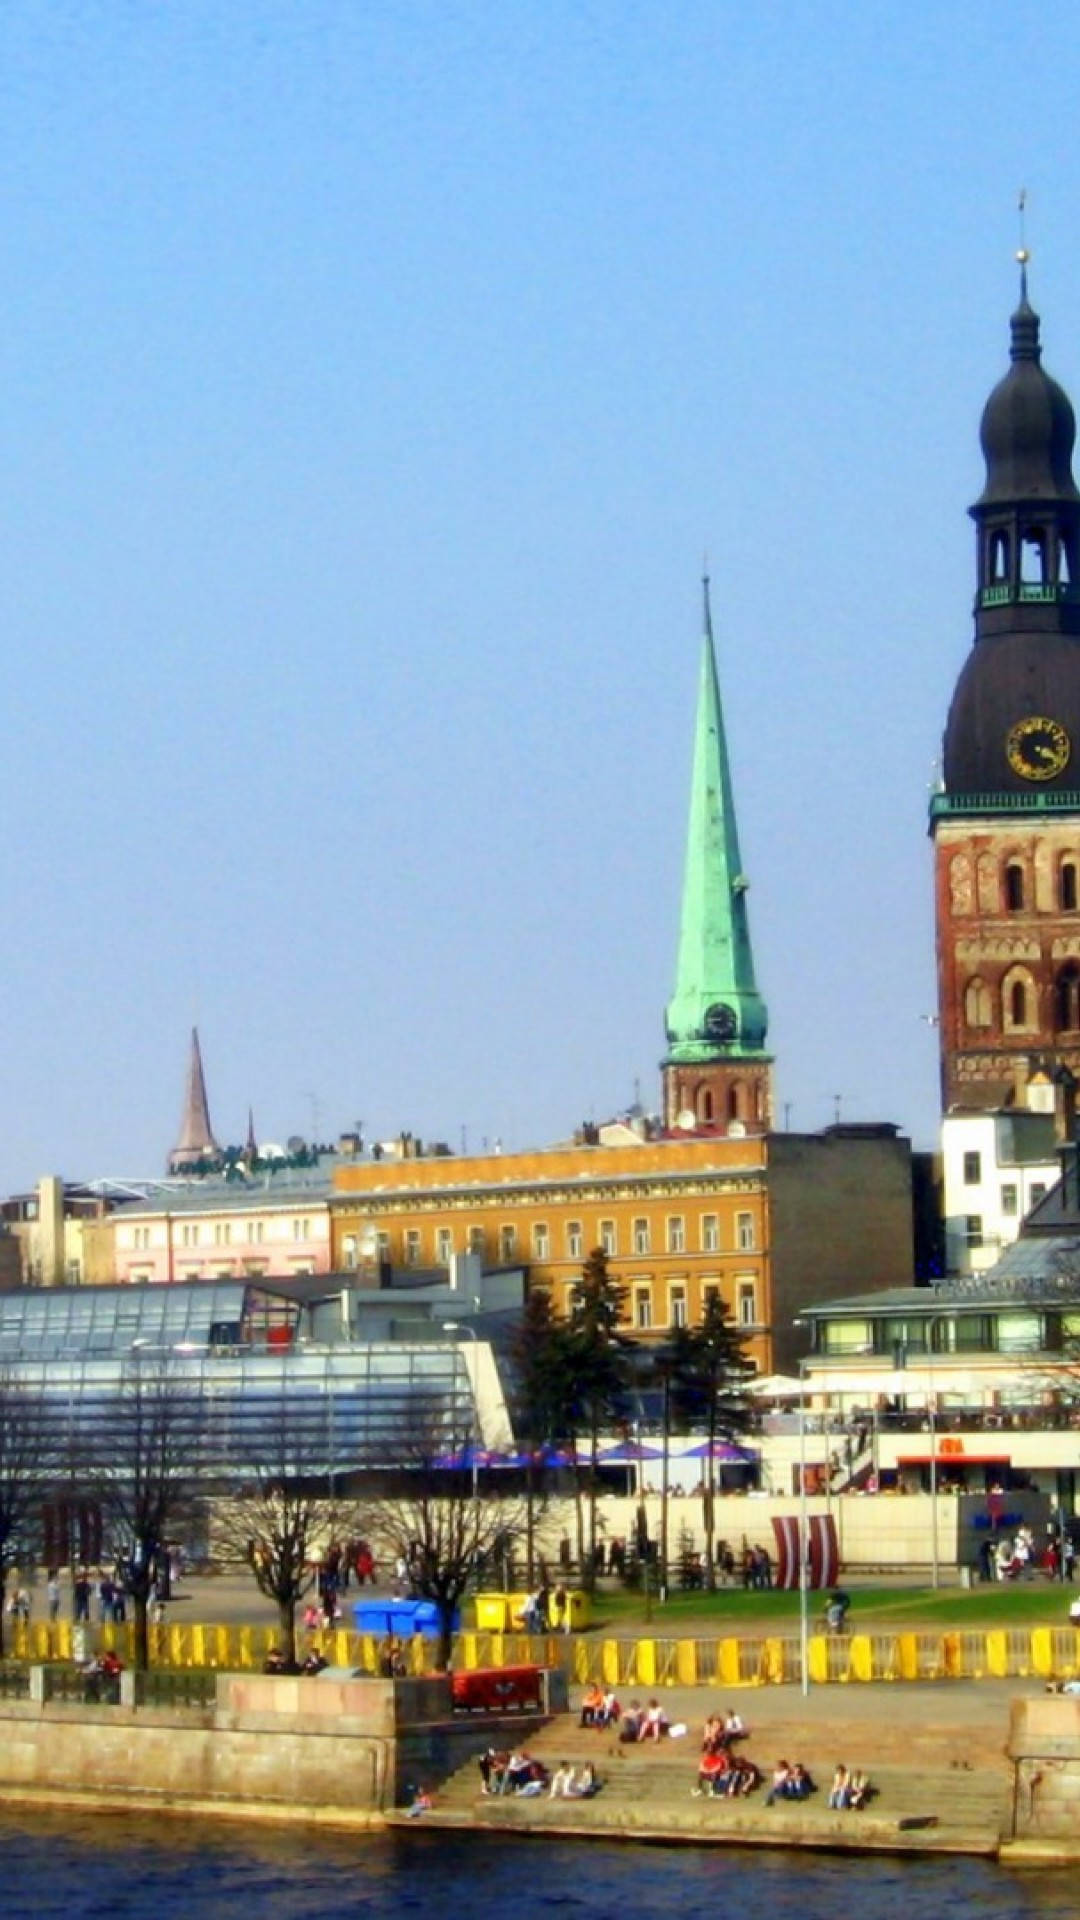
{"points": [[1022, 253]]}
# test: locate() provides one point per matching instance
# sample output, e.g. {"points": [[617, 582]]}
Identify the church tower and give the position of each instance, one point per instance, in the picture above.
{"points": [[716, 1073], [196, 1145], [1006, 822]]}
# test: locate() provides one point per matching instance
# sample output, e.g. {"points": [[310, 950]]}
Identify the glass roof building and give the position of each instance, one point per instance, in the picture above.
{"points": [[242, 1368]]}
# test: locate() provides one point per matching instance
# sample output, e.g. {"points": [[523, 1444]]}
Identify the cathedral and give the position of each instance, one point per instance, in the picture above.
{"points": [[1005, 822]]}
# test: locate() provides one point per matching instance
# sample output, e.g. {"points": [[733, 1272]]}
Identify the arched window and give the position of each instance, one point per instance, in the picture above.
{"points": [[1067, 999], [1064, 573], [999, 557], [1014, 887], [735, 1100], [704, 1104], [1019, 1001], [977, 1008], [1068, 886], [1018, 1004], [1033, 556]]}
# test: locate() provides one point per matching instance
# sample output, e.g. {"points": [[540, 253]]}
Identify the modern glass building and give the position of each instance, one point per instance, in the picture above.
{"points": [[246, 1381]]}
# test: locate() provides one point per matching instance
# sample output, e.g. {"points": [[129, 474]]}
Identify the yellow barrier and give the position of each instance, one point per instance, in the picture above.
{"points": [[647, 1662]]}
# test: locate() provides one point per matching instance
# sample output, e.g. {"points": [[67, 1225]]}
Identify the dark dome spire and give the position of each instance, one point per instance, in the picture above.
{"points": [[1028, 427]]}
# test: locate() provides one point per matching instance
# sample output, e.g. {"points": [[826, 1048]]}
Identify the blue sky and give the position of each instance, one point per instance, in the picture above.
{"points": [[374, 378]]}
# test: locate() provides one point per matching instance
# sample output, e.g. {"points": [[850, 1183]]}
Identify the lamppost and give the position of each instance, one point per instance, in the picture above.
{"points": [[462, 1326], [804, 1542], [931, 1408]]}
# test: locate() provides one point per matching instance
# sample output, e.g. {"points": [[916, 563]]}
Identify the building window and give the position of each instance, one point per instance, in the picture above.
{"points": [[74, 1272], [507, 1244], [1009, 1199], [746, 1303], [744, 1231], [676, 1233], [642, 1308], [972, 1169], [575, 1241], [541, 1242], [609, 1239], [190, 1236], [1068, 886], [382, 1247], [710, 1233], [978, 1011], [477, 1241], [710, 1291], [1014, 887], [677, 1307], [641, 1236], [255, 1233], [412, 1246], [973, 1230], [1038, 1192], [301, 1229], [222, 1233], [348, 1251], [142, 1239], [444, 1246], [1067, 999]]}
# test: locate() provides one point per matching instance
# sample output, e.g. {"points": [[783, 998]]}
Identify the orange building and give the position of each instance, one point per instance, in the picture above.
{"points": [[677, 1217], [772, 1221]]}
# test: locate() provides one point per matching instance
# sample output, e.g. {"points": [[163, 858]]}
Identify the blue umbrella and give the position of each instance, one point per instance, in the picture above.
{"points": [[724, 1450], [627, 1452]]}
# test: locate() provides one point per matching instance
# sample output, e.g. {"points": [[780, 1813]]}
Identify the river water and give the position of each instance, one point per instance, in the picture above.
{"points": [[117, 1867]]}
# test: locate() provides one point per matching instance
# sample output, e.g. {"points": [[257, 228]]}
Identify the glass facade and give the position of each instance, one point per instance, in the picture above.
{"points": [[240, 1379]]}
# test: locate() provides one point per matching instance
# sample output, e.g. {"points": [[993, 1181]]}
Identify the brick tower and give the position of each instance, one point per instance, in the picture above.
{"points": [[1006, 823]]}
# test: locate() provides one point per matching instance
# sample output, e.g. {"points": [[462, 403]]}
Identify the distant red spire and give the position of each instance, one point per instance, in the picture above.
{"points": [[196, 1140], [252, 1147]]}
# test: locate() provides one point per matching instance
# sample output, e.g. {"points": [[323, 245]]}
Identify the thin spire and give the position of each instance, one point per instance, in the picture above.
{"points": [[196, 1142], [716, 1009], [1022, 254]]}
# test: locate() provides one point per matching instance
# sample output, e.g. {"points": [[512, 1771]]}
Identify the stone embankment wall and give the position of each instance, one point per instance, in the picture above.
{"points": [[336, 1750], [1044, 1748]]}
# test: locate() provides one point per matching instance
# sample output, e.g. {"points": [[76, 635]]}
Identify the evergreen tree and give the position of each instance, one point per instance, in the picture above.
{"points": [[542, 1397], [599, 1365], [710, 1372]]}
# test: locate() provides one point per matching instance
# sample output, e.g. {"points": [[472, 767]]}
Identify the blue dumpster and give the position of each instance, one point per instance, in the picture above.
{"points": [[402, 1618]]}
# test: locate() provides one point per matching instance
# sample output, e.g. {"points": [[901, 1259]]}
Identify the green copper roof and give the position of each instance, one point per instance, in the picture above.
{"points": [[716, 1012]]}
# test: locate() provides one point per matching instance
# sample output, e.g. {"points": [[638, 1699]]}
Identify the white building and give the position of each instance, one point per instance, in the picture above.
{"points": [[996, 1167]]}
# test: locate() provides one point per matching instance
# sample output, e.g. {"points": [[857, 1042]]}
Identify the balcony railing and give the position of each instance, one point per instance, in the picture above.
{"points": [[1029, 592], [1060, 800]]}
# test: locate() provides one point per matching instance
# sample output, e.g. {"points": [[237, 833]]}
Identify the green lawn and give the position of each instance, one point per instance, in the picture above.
{"points": [[876, 1609]]}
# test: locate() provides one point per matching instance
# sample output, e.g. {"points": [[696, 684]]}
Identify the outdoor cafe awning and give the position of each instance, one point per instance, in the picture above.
{"points": [[952, 1461]]}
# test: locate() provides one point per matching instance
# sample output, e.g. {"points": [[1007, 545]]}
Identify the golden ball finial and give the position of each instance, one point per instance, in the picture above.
{"points": [[1023, 256]]}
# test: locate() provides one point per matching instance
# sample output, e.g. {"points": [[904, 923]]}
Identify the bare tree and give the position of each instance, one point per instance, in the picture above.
{"points": [[28, 1465], [282, 1513], [435, 1519], [139, 1454]]}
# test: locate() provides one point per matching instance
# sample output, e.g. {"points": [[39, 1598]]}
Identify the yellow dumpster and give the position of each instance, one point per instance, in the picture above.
{"points": [[491, 1612], [579, 1607]]}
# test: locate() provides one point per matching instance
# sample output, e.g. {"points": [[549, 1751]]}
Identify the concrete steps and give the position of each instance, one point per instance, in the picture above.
{"points": [[927, 1777]]}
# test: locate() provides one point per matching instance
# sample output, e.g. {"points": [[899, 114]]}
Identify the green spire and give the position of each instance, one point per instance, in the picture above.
{"points": [[716, 1012]]}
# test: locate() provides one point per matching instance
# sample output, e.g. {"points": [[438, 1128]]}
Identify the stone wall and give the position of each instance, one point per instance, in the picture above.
{"points": [[335, 1750], [1044, 1748]]}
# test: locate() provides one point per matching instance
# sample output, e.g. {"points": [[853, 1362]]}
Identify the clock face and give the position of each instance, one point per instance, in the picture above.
{"points": [[1038, 748], [720, 1022]]}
